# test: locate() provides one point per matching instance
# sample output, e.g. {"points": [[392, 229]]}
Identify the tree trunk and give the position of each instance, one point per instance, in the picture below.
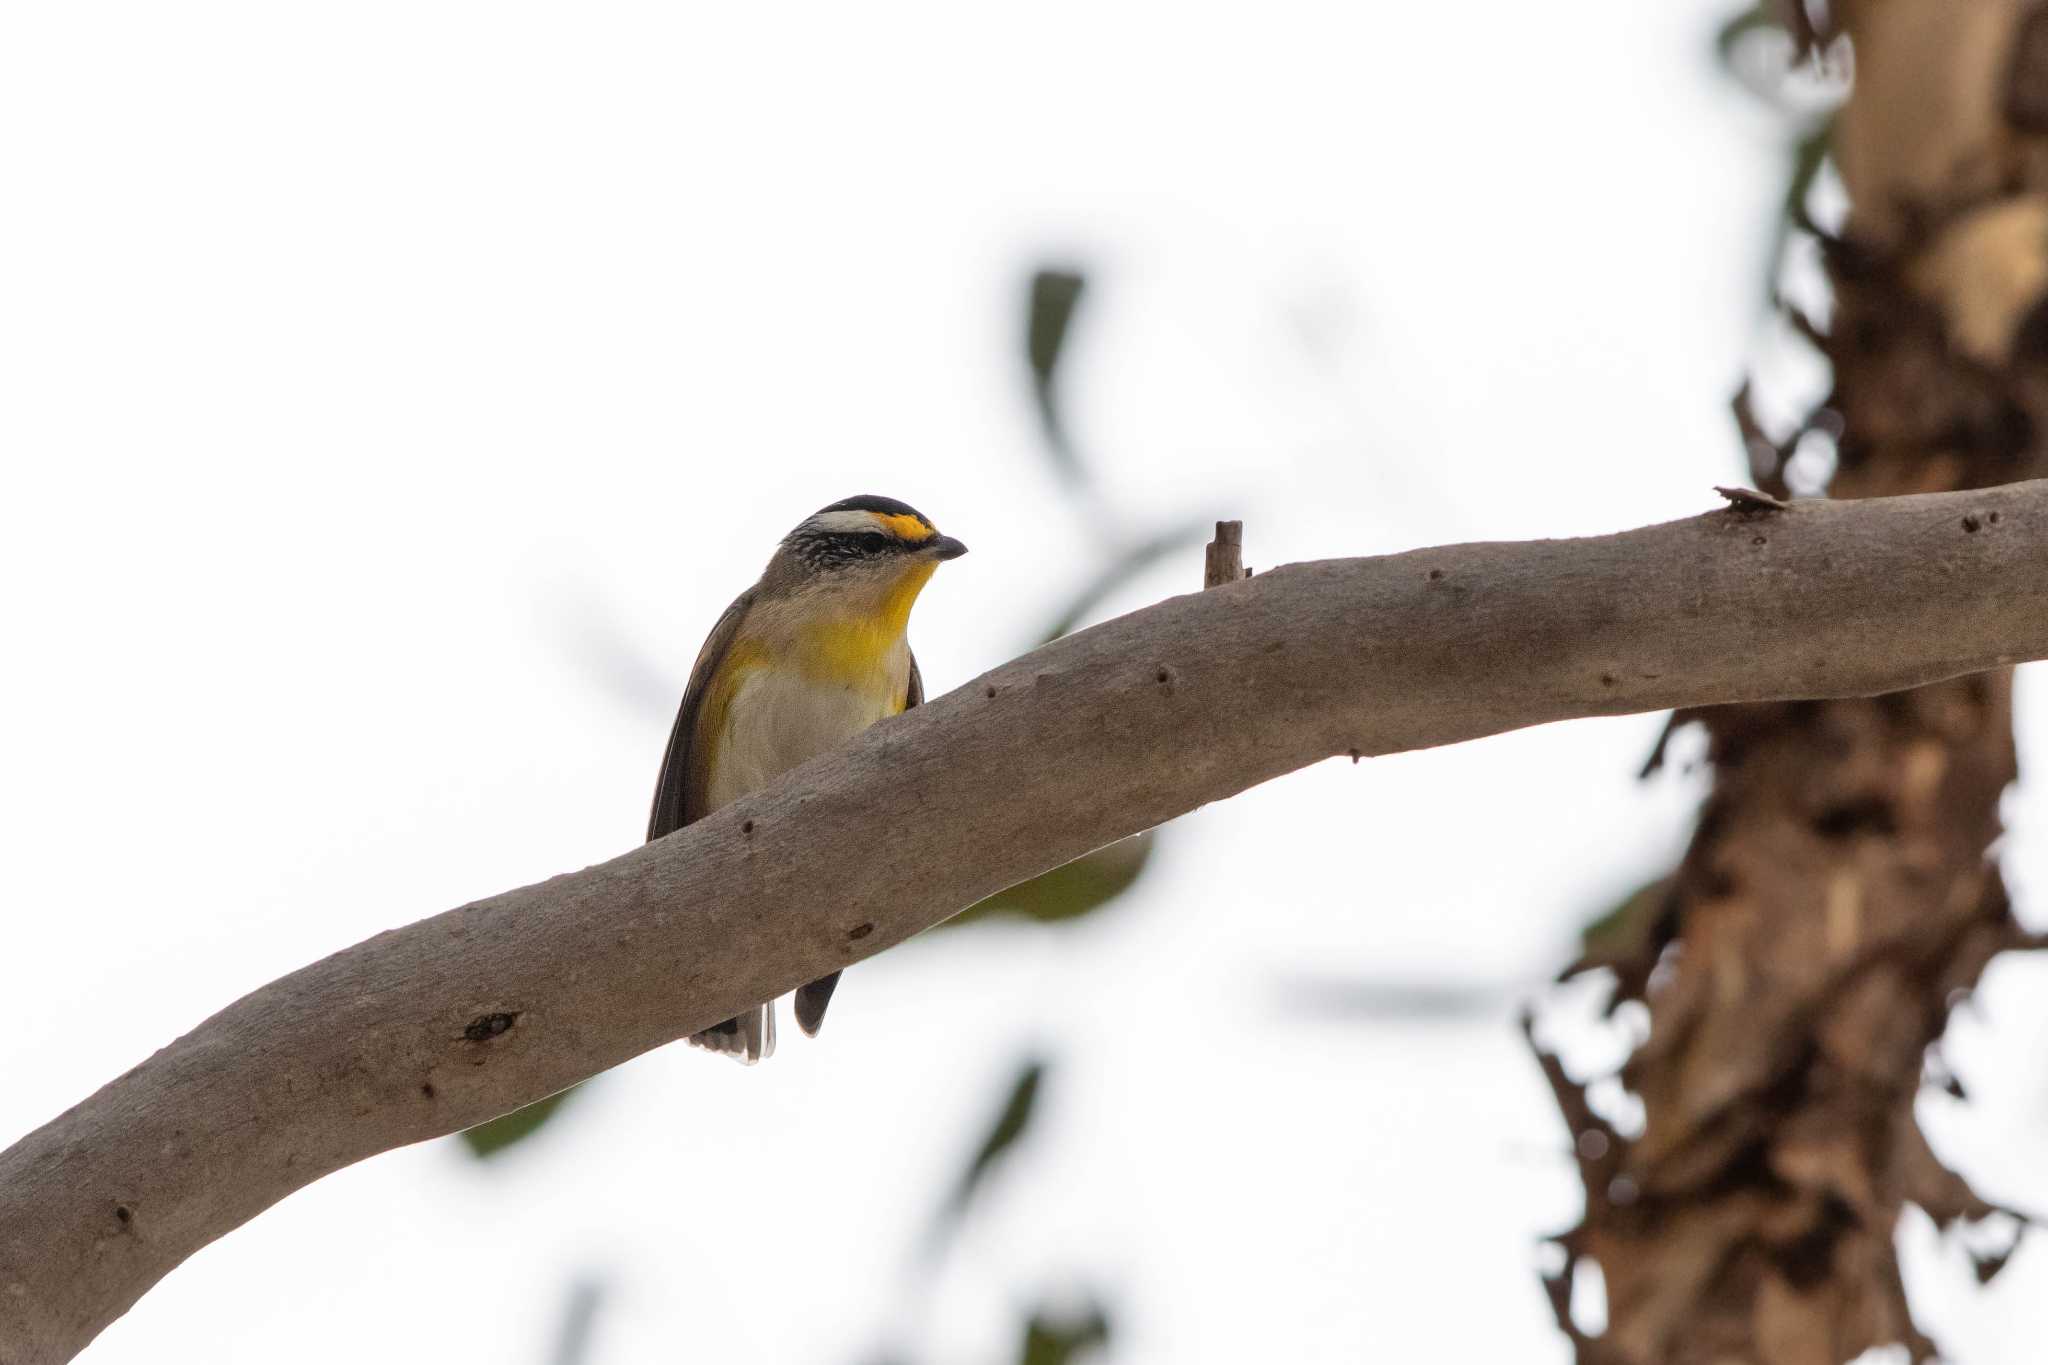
{"points": [[1838, 892]]}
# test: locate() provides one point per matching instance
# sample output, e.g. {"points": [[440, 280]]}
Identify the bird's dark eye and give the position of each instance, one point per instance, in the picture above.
{"points": [[872, 542]]}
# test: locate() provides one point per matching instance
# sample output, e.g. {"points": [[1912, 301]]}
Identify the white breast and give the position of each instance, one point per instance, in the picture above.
{"points": [[779, 718]]}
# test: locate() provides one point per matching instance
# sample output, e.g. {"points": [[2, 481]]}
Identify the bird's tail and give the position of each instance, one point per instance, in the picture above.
{"points": [[811, 1001], [746, 1038]]}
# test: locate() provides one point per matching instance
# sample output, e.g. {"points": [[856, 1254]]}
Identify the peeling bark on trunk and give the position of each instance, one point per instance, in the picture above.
{"points": [[1838, 893]]}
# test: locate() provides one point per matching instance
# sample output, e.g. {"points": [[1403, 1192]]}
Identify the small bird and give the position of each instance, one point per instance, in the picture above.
{"points": [[808, 657]]}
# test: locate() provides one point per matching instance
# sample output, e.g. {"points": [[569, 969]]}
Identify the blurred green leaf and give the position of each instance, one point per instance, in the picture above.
{"points": [[1009, 1126], [1072, 890], [579, 1319], [1396, 999], [1811, 130], [1051, 1340], [1626, 942], [1773, 50], [1758, 18], [1126, 566], [1809, 154], [1622, 930], [1055, 294], [488, 1139]]}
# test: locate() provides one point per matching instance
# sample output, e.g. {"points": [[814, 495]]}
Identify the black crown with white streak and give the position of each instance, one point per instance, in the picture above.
{"points": [[851, 532]]}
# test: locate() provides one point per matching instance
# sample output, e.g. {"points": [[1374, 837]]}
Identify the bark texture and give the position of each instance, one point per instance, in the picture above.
{"points": [[451, 1021], [1838, 894]]}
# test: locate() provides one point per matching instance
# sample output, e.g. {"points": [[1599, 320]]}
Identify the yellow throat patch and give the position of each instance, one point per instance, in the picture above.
{"points": [[857, 648]]}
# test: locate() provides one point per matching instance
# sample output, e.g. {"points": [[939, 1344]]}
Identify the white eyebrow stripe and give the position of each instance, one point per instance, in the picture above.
{"points": [[835, 523]]}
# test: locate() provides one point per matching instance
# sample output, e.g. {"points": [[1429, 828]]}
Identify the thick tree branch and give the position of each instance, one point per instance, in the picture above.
{"points": [[445, 1023]]}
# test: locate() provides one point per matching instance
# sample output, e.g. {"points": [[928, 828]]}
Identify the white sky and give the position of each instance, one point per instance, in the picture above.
{"points": [[392, 394]]}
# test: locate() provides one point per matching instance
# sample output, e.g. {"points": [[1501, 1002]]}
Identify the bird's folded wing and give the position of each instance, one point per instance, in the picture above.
{"points": [[679, 794]]}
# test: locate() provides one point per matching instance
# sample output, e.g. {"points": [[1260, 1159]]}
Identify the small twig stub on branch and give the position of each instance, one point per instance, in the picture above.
{"points": [[1749, 500], [1225, 560]]}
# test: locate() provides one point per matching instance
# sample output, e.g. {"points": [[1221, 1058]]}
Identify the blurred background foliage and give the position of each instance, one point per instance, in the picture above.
{"points": [[1772, 51], [486, 1140]]}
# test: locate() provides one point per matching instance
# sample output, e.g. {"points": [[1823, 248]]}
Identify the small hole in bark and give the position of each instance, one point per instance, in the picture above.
{"points": [[1759, 540], [427, 1089], [990, 692], [746, 826], [1717, 882], [860, 931], [1970, 524], [1868, 815], [1356, 755], [1164, 675], [1436, 575], [1607, 680], [485, 1027], [1992, 518], [123, 1214], [1810, 1259]]}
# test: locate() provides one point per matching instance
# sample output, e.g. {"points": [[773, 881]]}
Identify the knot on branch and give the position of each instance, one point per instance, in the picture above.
{"points": [[485, 1027]]}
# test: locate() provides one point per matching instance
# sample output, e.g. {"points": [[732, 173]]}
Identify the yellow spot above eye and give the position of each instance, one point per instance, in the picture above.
{"points": [[908, 529]]}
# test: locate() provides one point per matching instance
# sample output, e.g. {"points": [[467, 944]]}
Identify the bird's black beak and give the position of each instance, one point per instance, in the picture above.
{"points": [[945, 547]]}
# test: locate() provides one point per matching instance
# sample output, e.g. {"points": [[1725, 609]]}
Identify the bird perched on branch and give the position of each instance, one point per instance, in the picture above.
{"points": [[801, 662]]}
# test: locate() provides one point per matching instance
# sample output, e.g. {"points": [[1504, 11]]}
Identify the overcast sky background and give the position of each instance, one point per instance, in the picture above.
{"points": [[391, 396]]}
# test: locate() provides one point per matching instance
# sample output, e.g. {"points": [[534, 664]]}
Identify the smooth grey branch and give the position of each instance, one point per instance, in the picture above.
{"points": [[428, 1029]]}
